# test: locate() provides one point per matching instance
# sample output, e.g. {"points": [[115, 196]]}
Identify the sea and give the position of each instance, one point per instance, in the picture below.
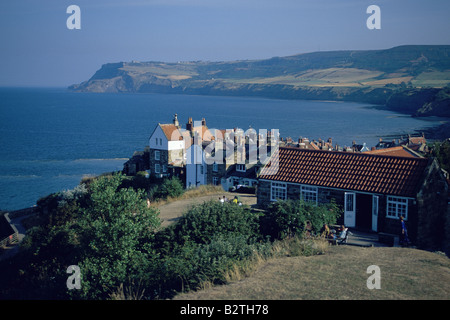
{"points": [[50, 138]]}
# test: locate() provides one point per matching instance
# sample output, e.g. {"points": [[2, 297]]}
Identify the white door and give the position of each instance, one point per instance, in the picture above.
{"points": [[350, 209], [375, 213]]}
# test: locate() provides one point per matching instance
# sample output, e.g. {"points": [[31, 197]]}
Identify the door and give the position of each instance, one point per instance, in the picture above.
{"points": [[375, 213], [350, 209]]}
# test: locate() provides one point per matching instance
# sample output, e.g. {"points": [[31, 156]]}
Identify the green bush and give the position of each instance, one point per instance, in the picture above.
{"points": [[192, 264], [169, 188], [206, 221], [288, 218]]}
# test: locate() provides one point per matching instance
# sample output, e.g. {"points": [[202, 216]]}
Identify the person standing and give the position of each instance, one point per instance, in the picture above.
{"points": [[404, 240]]}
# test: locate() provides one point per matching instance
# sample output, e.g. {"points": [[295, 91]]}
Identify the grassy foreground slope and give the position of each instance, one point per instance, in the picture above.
{"points": [[341, 273]]}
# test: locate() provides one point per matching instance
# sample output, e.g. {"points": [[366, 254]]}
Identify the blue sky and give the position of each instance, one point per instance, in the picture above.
{"points": [[37, 49]]}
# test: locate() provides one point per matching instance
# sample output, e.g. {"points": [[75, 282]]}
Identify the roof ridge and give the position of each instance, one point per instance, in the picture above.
{"points": [[351, 154]]}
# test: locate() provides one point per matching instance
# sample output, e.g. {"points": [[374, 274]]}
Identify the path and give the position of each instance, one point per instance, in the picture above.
{"points": [[171, 212]]}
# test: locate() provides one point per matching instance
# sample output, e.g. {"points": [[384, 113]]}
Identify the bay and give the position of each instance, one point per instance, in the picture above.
{"points": [[51, 137]]}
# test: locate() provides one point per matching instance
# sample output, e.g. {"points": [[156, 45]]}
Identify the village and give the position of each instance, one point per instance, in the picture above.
{"points": [[374, 185]]}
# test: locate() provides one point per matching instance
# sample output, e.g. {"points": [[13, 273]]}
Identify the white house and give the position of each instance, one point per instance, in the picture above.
{"points": [[196, 168], [167, 148]]}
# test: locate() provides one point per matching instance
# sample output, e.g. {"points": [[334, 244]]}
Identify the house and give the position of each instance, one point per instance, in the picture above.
{"points": [[398, 151], [168, 145], [229, 158], [415, 143], [138, 162], [373, 190]]}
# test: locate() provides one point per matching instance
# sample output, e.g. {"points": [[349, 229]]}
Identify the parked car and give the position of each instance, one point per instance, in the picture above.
{"points": [[243, 189]]}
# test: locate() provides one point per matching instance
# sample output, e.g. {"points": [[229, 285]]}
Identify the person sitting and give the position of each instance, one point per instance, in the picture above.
{"points": [[326, 231], [343, 232], [308, 229]]}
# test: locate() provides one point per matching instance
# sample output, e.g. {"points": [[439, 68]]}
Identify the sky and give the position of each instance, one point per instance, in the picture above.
{"points": [[38, 49]]}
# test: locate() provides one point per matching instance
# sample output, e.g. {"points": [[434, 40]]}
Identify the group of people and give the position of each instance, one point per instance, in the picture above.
{"points": [[333, 234], [342, 230], [235, 200]]}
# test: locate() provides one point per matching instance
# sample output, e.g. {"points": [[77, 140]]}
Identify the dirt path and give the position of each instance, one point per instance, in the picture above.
{"points": [[171, 212]]}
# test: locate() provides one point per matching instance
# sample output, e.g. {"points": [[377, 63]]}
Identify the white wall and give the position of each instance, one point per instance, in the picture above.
{"points": [[158, 134], [194, 165]]}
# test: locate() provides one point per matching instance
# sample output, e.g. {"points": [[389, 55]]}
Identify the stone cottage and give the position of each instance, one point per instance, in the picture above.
{"points": [[373, 190]]}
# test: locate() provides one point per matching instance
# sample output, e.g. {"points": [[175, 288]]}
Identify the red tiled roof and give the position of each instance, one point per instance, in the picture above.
{"points": [[171, 132], [362, 172], [399, 151]]}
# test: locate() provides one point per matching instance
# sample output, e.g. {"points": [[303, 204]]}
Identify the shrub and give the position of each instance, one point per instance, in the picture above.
{"points": [[208, 220], [169, 188], [288, 218]]}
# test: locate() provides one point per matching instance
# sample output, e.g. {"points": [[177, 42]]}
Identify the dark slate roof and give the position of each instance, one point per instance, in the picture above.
{"points": [[361, 172]]}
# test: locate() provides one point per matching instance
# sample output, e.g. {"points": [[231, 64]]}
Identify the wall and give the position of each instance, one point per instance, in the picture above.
{"points": [[432, 210]]}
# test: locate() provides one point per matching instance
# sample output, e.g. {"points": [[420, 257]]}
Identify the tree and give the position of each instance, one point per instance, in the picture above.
{"points": [[116, 233], [169, 188], [441, 150]]}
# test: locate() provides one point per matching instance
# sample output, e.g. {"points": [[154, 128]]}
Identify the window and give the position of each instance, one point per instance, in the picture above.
{"points": [[157, 155], [201, 169], [157, 168], [309, 194], [278, 190], [164, 168], [240, 167], [215, 167], [397, 207], [156, 141], [215, 181], [160, 141]]}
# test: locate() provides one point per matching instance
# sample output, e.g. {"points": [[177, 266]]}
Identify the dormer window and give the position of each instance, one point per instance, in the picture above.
{"points": [[240, 167]]}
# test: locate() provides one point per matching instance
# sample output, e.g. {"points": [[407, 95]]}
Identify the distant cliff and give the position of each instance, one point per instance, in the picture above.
{"points": [[410, 79]]}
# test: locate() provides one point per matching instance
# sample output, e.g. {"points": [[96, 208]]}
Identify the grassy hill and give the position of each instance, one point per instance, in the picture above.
{"points": [[341, 274], [371, 76]]}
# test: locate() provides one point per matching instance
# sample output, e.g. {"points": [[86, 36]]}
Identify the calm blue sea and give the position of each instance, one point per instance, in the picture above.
{"points": [[50, 137]]}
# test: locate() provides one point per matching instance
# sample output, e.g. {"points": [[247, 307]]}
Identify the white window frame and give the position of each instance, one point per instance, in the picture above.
{"points": [[240, 167], [215, 181], [396, 207], [309, 194], [278, 189], [157, 168], [164, 168], [157, 155]]}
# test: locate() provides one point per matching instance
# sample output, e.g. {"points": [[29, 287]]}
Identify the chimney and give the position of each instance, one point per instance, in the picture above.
{"points": [[175, 121], [189, 125]]}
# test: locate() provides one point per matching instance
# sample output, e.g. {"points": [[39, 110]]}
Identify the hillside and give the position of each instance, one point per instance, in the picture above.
{"points": [[372, 76], [341, 274]]}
